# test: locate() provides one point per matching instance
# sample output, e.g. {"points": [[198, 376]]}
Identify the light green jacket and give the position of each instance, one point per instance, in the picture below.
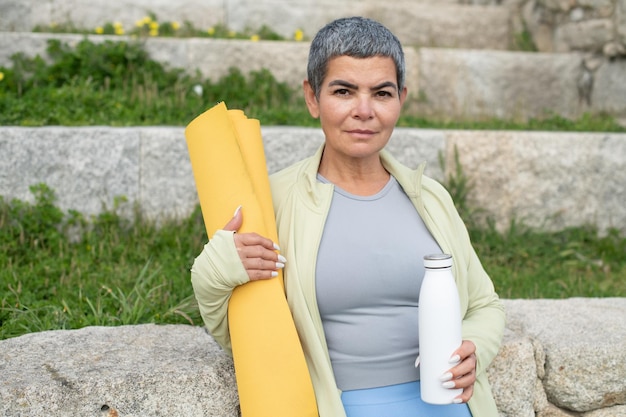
{"points": [[301, 204]]}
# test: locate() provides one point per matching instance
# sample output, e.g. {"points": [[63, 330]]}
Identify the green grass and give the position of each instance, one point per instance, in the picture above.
{"points": [[64, 271], [117, 84]]}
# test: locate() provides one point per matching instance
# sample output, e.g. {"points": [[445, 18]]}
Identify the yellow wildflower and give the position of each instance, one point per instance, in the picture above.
{"points": [[99, 30], [146, 20], [139, 23], [211, 31], [154, 26], [254, 38], [175, 25], [1, 76], [298, 35], [154, 32], [118, 28]]}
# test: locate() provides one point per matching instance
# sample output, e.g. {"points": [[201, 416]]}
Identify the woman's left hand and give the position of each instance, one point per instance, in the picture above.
{"points": [[463, 375]]}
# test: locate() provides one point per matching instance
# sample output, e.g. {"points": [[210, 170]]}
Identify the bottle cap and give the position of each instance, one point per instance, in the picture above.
{"points": [[439, 260]]}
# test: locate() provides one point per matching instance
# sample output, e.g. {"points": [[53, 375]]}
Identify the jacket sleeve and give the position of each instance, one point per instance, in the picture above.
{"points": [[484, 316], [484, 319], [214, 275]]}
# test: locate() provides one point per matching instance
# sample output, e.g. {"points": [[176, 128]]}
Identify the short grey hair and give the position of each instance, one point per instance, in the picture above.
{"points": [[356, 37]]}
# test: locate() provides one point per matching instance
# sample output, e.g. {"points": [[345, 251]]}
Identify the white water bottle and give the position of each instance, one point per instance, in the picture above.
{"points": [[439, 328]]}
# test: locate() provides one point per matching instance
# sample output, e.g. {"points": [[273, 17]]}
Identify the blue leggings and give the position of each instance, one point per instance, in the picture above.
{"points": [[402, 400]]}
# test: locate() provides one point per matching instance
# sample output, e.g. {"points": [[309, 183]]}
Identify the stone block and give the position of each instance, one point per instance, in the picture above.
{"points": [[87, 167], [620, 20], [587, 35], [446, 26], [282, 151], [214, 57], [31, 45], [130, 371], [15, 15], [166, 180], [515, 362], [609, 88], [201, 14], [465, 84], [585, 368], [550, 180], [178, 370], [410, 146], [171, 52]]}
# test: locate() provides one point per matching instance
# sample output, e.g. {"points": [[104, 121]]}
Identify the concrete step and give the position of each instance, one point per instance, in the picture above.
{"points": [[550, 180], [443, 23], [443, 83]]}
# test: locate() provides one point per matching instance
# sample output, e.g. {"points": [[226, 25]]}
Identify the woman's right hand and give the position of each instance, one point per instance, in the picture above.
{"points": [[258, 254]]}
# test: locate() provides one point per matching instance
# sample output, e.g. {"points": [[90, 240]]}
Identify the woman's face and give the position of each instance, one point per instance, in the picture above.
{"points": [[358, 107]]}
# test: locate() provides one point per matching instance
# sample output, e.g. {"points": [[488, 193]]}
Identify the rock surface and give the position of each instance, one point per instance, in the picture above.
{"points": [[558, 357], [550, 180], [144, 370]]}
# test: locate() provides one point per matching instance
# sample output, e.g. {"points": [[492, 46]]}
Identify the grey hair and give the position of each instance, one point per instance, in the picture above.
{"points": [[356, 37]]}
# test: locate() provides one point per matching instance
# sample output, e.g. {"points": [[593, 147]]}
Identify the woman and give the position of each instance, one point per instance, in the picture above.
{"points": [[353, 226]]}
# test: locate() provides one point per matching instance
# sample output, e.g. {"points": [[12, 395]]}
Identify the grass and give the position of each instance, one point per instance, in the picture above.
{"points": [[526, 262], [62, 270], [117, 84], [65, 271], [575, 262]]}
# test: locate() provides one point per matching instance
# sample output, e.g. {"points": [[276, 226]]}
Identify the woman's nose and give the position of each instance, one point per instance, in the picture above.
{"points": [[363, 107]]}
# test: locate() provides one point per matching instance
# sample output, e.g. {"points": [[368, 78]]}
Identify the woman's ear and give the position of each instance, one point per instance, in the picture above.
{"points": [[311, 99], [403, 95]]}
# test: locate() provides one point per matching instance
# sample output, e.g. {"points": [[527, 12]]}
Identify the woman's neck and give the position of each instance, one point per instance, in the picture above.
{"points": [[356, 176]]}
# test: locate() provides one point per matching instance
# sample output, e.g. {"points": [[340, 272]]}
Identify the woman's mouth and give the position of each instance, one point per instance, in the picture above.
{"points": [[361, 132]]}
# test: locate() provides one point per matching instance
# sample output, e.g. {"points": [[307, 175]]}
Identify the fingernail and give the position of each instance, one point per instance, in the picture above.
{"points": [[282, 259], [280, 265], [237, 211], [448, 384], [274, 274], [446, 377], [276, 247], [417, 361], [454, 359], [457, 401]]}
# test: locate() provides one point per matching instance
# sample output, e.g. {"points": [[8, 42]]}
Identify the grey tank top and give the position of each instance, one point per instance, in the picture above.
{"points": [[368, 276]]}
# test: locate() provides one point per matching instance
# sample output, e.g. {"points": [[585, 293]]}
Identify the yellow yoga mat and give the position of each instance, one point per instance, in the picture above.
{"points": [[229, 167]]}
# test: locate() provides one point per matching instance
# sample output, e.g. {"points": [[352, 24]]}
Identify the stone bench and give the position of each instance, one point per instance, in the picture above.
{"points": [[558, 358]]}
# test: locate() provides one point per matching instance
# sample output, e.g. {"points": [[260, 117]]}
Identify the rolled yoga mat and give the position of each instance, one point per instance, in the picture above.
{"points": [[229, 167]]}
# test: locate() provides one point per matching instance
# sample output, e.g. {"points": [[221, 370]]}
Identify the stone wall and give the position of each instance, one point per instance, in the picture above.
{"points": [[595, 26], [550, 180], [559, 358]]}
